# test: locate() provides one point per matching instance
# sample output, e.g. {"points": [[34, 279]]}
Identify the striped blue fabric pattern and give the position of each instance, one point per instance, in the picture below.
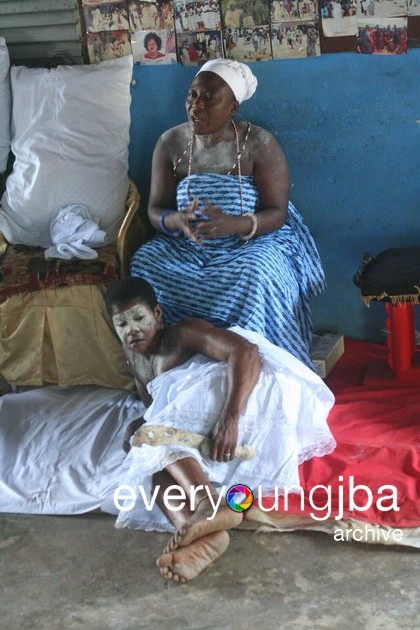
{"points": [[264, 286]]}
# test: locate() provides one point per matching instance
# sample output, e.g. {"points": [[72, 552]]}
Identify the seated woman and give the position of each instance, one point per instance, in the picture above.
{"points": [[232, 248], [230, 385]]}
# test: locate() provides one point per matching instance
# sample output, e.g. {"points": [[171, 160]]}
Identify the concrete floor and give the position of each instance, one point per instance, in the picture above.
{"points": [[80, 573]]}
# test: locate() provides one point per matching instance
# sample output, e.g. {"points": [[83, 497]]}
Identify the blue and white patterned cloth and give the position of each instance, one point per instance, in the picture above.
{"points": [[263, 286]]}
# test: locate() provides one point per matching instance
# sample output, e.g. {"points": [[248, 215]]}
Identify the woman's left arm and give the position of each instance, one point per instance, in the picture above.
{"points": [[271, 176]]}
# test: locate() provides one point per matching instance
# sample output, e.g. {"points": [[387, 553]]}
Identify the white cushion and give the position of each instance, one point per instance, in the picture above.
{"points": [[70, 136], [4, 105]]}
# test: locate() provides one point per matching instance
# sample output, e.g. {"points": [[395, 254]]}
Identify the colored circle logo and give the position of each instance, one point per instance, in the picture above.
{"points": [[239, 498]]}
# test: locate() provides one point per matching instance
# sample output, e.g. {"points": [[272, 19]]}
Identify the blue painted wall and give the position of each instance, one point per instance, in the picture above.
{"points": [[350, 127]]}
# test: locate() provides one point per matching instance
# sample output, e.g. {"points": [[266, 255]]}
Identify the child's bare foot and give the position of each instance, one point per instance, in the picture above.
{"points": [[202, 524], [185, 564]]}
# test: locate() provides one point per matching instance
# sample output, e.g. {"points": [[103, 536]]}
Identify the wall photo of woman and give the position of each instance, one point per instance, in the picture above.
{"points": [[154, 47]]}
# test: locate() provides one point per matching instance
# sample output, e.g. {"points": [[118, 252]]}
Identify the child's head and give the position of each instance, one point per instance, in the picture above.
{"points": [[136, 314], [122, 292]]}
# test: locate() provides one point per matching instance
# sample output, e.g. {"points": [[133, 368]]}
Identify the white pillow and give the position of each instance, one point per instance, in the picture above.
{"points": [[4, 105], [70, 136]]}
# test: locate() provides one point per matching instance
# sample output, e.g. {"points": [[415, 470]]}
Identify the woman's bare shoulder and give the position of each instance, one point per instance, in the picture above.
{"points": [[177, 134], [171, 144], [261, 146], [261, 136]]}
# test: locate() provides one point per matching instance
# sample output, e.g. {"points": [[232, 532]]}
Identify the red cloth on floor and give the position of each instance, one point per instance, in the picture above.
{"points": [[377, 429]]}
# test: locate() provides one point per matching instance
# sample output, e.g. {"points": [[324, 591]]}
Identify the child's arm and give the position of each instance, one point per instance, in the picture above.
{"points": [[243, 370]]}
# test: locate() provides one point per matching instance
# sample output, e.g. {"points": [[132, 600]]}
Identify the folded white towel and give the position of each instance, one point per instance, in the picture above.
{"points": [[72, 232]]}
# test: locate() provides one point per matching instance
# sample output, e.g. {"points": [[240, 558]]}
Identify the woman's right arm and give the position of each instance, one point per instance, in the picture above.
{"points": [[163, 195]]}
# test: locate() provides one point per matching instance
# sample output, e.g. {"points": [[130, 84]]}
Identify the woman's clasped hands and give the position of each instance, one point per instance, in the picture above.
{"points": [[201, 223], [207, 222]]}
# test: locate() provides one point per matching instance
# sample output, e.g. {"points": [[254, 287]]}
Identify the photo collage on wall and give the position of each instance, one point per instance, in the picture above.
{"points": [[107, 29], [198, 31], [152, 32], [160, 32], [379, 26], [246, 30], [295, 28]]}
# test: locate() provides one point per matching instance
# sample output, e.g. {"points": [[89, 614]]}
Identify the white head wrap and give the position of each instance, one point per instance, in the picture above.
{"points": [[237, 75]]}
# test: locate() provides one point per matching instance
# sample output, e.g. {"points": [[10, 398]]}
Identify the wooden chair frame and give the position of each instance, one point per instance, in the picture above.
{"points": [[133, 231]]}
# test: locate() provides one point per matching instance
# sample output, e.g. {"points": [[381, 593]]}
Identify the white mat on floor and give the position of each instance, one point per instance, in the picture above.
{"points": [[61, 449]]}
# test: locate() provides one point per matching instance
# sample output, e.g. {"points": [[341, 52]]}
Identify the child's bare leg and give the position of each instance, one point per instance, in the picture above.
{"points": [[178, 517], [185, 563], [188, 474]]}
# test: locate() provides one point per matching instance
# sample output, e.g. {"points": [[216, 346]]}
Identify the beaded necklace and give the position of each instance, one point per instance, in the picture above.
{"points": [[237, 163]]}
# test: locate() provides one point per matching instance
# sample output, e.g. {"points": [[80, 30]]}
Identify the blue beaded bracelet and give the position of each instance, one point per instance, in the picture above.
{"points": [[162, 225]]}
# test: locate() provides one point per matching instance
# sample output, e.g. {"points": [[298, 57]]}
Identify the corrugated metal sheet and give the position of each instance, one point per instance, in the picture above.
{"points": [[41, 31]]}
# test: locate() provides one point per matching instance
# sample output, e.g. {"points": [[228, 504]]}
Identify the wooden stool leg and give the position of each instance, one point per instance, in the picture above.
{"points": [[401, 339]]}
